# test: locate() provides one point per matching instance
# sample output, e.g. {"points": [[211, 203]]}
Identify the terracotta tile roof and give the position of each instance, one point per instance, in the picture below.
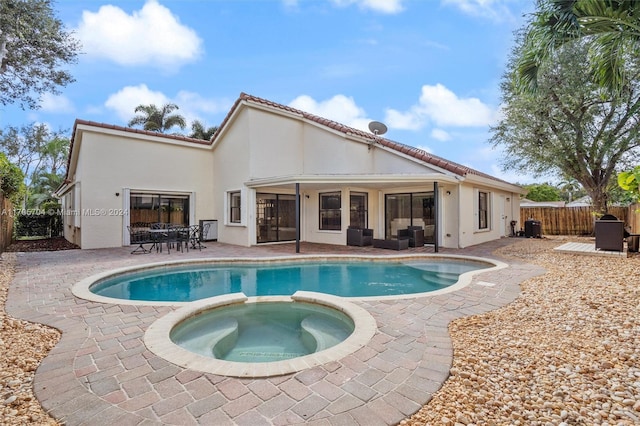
{"points": [[139, 131], [405, 149]]}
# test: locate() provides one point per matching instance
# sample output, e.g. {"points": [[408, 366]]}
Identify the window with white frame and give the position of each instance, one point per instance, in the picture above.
{"points": [[235, 207], [483, 210], [330, 213]]}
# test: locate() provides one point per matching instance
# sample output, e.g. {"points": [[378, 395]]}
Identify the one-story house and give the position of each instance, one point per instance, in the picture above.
{"points": [[272, 173]]}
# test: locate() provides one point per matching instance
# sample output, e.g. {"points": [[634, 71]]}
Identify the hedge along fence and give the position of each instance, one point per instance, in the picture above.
{"points": [[6, 222], [575, 220], [39, 224]]}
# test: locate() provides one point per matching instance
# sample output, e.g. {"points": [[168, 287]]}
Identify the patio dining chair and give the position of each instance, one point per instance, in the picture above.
{"points": [[171, 239], [203, 233], [140, 236], [197, 235], [183, 237]]}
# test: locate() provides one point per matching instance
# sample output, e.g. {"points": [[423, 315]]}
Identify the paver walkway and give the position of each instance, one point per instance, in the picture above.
{"points": [[101, 373]]}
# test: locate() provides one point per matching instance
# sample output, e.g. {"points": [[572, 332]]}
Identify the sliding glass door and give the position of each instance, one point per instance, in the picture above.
{"points": [[275, 217], [412, 209], [163, 208]]}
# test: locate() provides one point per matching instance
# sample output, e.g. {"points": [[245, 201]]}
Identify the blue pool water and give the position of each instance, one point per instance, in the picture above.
{"points": [[262, 332], [342, 278]]}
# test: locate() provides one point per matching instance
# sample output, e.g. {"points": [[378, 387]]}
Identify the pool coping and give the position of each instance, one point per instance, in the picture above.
{"points": [[157, 337], [82, 288]]}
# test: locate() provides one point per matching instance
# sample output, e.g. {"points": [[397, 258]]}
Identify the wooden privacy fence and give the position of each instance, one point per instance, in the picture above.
{"points": [[575, 220], [6, 222]]}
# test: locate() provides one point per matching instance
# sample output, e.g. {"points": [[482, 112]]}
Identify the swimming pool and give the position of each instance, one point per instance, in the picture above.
{"points": [[353, 277]]}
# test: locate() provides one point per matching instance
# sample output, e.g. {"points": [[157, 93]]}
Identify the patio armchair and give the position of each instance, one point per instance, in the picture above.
{"points": [[359, 236], [415, 235]]}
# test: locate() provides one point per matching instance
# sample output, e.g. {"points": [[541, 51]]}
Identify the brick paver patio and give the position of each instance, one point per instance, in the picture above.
{"points": [[101, 372]]}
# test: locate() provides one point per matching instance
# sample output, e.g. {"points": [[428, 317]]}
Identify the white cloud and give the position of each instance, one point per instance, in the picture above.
{"points": [[56, 104], [339, 108], [404, 121], [441, 106], [382, 6], [125, 101], [192, 106], [151, 36], [440, 135], [492, 9]]}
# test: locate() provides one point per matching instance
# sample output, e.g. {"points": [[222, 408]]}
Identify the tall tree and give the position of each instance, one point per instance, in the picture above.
{"points": [[35, 150], [542, 192], [11, 179], [199, 131], [569, 126], [610, 28], [155, 119], [34, 48]]}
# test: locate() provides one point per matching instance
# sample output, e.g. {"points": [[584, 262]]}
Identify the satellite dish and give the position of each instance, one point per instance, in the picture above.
{"points": [[377, 128]]}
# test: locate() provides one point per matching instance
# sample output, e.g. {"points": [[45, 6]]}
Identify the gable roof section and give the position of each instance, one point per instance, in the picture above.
{"points": [[410, 151], [245, 98], [79, 122]]}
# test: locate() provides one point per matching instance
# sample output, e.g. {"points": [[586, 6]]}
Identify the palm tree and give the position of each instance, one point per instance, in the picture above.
{"points": [[610, 27], [157, 120], [198, 131], [570, 186], [42, 187]]}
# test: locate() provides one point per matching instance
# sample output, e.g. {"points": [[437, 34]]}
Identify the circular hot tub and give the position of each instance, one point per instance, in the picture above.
{"points": [[257, 337]]}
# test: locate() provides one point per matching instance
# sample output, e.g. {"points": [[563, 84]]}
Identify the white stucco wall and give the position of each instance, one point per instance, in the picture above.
{"points": [[501, 212], [110, 162]]}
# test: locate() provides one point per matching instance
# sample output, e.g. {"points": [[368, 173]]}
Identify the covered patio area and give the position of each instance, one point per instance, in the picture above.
{"points": [[321, 208]]}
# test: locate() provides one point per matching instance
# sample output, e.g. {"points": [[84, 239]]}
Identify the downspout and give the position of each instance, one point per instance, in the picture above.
{"points": [[297, 217], [459, 210], [436, 203]]}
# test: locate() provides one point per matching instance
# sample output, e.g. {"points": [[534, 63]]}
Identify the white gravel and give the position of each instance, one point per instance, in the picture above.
{"points": [[567, 352]]}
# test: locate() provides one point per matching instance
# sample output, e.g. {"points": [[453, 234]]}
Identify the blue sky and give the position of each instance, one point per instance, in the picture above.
{"points": [[429, 69]]}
